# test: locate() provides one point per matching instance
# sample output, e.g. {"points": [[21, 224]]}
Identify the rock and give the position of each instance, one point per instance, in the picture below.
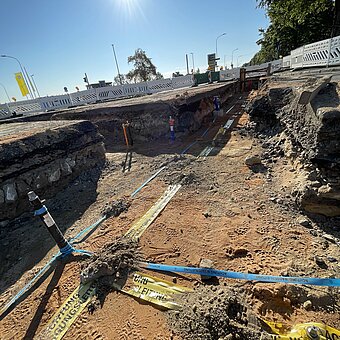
{"points": [[313, 232], [329, 238], [206, 263], [54, 175], [307, 305], [22, 188], [65, 166], [206, 214], [4, 224], [331, 259], [304, 222], [320, 262], [11, 194], [252, 160], [2, 196]]}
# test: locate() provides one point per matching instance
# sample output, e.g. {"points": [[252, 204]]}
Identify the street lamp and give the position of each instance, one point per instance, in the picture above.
{"points": [[9, 99], [35, 85], [193, 62], [232, 56], [216, 41], [114, 53], [22, 71]]}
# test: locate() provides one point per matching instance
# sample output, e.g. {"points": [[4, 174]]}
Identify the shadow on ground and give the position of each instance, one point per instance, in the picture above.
{"points": [[25, 241]]}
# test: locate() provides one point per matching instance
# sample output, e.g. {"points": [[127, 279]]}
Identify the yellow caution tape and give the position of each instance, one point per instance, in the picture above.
{"points": [[148, 279], [136, 231], [68, 312], [153, 290], [303, 331]]}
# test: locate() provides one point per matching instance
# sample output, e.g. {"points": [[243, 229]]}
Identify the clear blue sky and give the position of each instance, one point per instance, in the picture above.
{"points": [[59, 40]]}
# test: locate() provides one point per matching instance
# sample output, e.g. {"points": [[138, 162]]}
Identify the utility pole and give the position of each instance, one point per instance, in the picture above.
{"points": [[186, 58], [114, 53]]}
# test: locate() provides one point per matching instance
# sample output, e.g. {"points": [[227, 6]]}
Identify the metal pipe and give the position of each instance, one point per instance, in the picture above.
{"points": [[51, 225], [114, 53]]}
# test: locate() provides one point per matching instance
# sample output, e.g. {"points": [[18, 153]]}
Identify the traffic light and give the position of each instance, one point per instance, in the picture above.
{"points": [[65, 89]]}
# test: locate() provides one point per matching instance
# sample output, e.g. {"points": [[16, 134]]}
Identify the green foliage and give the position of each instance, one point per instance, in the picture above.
{"points": [[177, 74], [144, 69], [159, 76], [293, 23], [120, 80]]}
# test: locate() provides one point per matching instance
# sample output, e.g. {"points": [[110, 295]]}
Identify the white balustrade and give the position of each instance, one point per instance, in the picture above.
{"points": [[55, 102], [83, 97], [183, 81], [25, 106], [159, 85], [4, 111]]}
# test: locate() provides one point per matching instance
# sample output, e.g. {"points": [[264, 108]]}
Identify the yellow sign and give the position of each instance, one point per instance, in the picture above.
{"points": [[21, 82]]}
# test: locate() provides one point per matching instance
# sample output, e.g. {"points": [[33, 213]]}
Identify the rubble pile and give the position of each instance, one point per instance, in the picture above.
{"points": [[214, 312], [307, 132]]}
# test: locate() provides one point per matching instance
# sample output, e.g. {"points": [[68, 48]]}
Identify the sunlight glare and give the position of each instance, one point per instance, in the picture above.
{"points": [[130, 8]]}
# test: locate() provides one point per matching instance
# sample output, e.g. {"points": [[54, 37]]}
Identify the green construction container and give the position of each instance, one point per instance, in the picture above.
{"points": [[215, 76], [201, 78]]}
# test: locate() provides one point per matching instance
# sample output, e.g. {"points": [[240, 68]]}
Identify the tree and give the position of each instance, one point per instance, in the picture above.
{"points": [[177, 74], [144, 69], [293, 23], [159, 76], [123, 77]]}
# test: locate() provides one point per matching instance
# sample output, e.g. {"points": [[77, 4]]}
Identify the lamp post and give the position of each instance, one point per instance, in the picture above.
{"points": [[22, 71], [232, 56], [217, 39], [35, 85], [193, 62], [186, 59], [114, 54], [9, 99]]}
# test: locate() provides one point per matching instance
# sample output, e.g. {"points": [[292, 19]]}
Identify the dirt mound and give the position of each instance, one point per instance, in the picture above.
{"points": [[116, 207], [112, 263], [214, 312]]}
